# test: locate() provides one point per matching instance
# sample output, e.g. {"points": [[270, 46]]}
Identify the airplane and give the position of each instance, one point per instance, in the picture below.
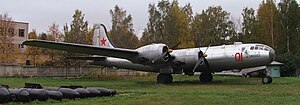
{"points": [[165, 60]]}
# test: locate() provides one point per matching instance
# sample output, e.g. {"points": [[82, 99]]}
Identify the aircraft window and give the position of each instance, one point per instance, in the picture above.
{"points": [[256, 48], [261, 48], [266, 49], [252, 47], [243, 49]]}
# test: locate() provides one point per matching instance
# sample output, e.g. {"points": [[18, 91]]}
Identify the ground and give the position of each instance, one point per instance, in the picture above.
{"points": [[185, 90]]}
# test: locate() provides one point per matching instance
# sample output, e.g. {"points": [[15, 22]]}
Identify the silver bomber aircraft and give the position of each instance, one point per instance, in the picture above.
{"points": [[164, 60]]}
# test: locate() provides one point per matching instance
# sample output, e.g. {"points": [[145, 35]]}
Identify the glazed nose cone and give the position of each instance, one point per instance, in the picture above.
{"points": [[272, 55]]}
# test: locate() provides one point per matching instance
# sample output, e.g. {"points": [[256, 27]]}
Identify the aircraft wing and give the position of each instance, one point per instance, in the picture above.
{"points": [[84, 49]]}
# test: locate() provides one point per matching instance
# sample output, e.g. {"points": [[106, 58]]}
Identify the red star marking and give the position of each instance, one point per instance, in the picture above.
{"points": [[103, 41]]}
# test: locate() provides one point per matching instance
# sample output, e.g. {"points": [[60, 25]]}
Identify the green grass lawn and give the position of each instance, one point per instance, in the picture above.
{"points": [[184, 91]]}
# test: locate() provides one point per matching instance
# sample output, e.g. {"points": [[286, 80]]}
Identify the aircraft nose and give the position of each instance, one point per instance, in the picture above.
{"points": [[272, 55]]}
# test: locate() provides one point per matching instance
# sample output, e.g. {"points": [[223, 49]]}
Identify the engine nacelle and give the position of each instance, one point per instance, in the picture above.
{"points": [[154, 53]]}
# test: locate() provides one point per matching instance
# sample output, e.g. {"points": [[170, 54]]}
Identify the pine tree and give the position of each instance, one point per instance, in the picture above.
{"points": [[78, 29]]}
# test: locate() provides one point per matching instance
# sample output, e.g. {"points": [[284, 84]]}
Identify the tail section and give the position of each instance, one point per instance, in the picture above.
{"points": [[100, 37]]}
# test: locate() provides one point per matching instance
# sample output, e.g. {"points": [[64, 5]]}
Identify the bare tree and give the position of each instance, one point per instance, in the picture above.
{"points": [[7, 29], [54, 34]]}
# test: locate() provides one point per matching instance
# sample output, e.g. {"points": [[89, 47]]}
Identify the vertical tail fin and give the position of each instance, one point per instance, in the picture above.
{"points": [[100, 37]]}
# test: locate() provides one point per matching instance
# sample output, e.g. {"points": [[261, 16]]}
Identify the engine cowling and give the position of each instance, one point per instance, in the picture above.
{"points": [[154, 53]]}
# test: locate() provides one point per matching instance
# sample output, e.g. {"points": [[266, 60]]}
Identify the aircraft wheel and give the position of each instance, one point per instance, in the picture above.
{"points": [[164, 78], [206, 77], [266, 80]]}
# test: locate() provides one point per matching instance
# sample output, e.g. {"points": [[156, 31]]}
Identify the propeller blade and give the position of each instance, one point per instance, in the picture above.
{"points": [[176, 45], [202, 59], [199, 62], [207, 65], [207, 48], [160, 57], [164, 55], [196, 65], [170, 50]]}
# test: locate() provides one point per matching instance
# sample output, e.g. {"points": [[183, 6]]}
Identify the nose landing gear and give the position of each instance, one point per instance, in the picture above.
{"points": [[206, 77], [266, 80]]}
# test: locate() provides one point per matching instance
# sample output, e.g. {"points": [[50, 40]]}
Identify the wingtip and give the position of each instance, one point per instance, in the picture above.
{"points": [[28, 41], [24, 43]]}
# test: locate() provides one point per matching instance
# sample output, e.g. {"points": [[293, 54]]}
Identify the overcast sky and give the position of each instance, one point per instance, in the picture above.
{"points": [[42, 13]]}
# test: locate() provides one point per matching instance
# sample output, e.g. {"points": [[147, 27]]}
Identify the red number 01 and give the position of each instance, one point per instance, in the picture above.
{"points": [[238, 57]]}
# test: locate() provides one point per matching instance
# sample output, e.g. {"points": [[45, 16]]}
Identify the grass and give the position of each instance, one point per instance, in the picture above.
{"points": [[185, 90]]}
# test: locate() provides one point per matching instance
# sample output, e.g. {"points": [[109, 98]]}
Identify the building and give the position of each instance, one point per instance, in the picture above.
{"points": [[274, 69], [18, 31], [12, 35], [20, 35]]}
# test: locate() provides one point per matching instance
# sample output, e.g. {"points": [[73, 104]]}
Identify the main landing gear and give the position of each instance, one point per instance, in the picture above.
{"points": [[164, 78], [266, 80], [167, 78], [206, 77]]}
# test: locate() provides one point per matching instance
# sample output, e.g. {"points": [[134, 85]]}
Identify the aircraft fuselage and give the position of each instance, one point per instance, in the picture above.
{"points": [[220, 58]]}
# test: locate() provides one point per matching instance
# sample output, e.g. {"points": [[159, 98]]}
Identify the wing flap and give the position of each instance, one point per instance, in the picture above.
{"points": [[84, 49]]}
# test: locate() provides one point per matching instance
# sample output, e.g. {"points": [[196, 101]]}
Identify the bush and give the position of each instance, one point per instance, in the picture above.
{"points": [[291, 63]]}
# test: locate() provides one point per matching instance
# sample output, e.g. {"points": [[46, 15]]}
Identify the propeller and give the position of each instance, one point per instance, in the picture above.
{"points": [[165, 55], [166, 52], [202, 59], [174, 47]]}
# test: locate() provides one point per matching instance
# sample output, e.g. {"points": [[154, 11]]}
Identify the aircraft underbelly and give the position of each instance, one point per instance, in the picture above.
{"points": [[124, 64]]}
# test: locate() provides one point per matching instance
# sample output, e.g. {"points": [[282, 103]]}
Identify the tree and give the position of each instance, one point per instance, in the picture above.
{"points": [[149, 32], [177, 26], [89, 35], [54, 34], [155, 26], [7, 29], [291, 63], [250, 26], [169, 24], [122, 33], [33, 52], [270, 28], [43, 36], [77, 33], [289, 18], [79, 29], [213, 26]]}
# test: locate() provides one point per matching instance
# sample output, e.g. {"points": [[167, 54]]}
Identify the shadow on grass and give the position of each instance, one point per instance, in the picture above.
{"points": [[215, 82], [232, 81]]}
